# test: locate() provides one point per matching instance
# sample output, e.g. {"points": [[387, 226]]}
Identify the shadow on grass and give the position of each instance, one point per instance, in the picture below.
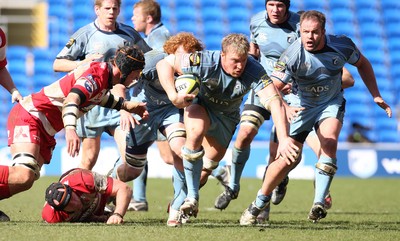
{"points": [[284, 225]]}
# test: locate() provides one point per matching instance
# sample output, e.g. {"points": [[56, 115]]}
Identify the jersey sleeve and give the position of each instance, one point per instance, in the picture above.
{"points": [[91, 85], [286, 64], [3, 59], [355, 53], [74, 49]]}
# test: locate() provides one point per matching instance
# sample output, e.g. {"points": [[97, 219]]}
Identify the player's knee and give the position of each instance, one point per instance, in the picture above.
{"points": [[179, 132], [128, 173], [136, 161], [209, 165], [191, 155], [29, 164], [252, 119], [250, 122], [328, 169]]}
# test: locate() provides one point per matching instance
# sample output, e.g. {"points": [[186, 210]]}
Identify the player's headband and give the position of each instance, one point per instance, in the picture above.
{"points": [[58, 195], [128, 60]]}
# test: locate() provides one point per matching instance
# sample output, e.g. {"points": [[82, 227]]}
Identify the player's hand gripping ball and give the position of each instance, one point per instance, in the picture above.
{"points": [[187, 84]]}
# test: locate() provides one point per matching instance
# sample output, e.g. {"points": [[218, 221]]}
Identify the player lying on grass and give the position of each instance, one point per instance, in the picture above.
{"points": [[81, 195], [35, 120]]}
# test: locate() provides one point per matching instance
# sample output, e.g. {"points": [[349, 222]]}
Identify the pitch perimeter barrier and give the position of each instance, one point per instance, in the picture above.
{"points": [[354, 160]]}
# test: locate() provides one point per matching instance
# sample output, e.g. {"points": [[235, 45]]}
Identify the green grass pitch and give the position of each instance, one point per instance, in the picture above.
{"points": [[362, 210]]}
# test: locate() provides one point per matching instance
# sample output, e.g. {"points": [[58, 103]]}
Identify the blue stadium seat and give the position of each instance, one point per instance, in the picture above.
{"points": [[41, 80], [344, 29], [392, 30], [343, 135], [369, 15], [213, 42], [387, 136], [185, 3], [239, 14], [357, 109], [82, 10], [44, 67], [211, 3], [388, 94], [371, 29], [359, 96], [390, 4], [238, 4], [342, 16], [391, 15], [166, 15], [214, 28], [79, 23], [189, 26], [264, 133], [315, 5], [373, 42], [258, 6], [183, 13], [43, 54], [60, 11], [381, 71], [20, 79], [17, 52], [164, 4], [375, 56], [239, 27], [386, 123], [17, 66], [362, 4], [295, 5], [125, 16], [393, 43], [340, 4], [212, 14], [366, 121]]}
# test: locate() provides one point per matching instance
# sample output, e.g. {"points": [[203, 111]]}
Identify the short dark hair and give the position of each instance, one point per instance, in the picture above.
{"points": [[286, 2]]}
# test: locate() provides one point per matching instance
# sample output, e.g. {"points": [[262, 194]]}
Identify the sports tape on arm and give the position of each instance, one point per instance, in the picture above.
{"points": [[70, 113], [267, 102], [112, 102]]}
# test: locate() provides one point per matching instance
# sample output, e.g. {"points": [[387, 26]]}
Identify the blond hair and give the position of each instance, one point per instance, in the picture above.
{"points": [[237, 43], [150, 7]]}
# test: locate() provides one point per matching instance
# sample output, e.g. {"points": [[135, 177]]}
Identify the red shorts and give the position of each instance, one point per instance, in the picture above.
{"points": [[23, 127]]}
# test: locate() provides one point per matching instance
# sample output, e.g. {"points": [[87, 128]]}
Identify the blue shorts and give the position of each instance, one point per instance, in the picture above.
{"points": [[311, 117], [222, 126], [97, 121], [149, 130]]}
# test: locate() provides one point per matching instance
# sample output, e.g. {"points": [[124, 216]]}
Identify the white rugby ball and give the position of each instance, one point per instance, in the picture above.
{"points": [[187, 84]]}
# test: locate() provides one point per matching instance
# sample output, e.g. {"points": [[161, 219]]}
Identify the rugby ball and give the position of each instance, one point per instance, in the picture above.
{"points": [[187, 84]]}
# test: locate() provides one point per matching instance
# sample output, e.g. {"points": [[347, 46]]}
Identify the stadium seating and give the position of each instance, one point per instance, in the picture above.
{"points": [[315, 5], [340, 4], [373, 26]]}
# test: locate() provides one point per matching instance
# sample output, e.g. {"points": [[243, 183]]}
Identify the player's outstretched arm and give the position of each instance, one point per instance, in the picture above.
{"points": [[122, 193], [367, 74]]}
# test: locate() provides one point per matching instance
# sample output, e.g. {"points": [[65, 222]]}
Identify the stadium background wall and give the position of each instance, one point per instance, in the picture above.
{"points": [[354, 160]]}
